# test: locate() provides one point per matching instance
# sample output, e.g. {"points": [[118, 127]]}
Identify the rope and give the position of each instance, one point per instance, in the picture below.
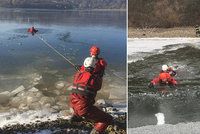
{"points": [[116, 75], [47, 44]]}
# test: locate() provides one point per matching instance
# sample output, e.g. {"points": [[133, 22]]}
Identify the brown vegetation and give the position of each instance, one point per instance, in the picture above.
{"points": [[161, 32], [163, 13]]}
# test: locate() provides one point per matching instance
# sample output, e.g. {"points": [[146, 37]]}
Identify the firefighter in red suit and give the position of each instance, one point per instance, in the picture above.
{"points": [[85, 86], [166, 77]]}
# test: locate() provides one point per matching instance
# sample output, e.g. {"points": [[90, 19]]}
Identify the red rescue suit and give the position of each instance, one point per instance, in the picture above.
{"points": [[164, 78], [82, 99], [99, 69]]}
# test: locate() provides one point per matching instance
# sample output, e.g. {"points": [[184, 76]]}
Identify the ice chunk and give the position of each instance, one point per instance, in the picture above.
{"points": [[32, 99], [33, 89], [160, 118], [45, 100], [60, 84], [4, 97], [17, 90], [101, 102]]}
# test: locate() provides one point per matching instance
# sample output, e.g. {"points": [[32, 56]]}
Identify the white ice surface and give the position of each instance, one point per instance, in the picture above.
{"points": [[150, 44], [27, 117], [160, 118], [136, 45]]}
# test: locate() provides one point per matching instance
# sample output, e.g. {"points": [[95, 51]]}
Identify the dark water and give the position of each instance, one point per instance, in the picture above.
{"points": [[70, 32], [182, 104]]}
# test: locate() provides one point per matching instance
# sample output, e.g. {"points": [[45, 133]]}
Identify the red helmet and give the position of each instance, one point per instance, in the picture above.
{"points": [[94, 50]]}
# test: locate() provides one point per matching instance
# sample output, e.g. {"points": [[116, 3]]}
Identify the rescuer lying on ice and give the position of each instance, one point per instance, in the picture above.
{"points": [[85, 86], [165, 78]]}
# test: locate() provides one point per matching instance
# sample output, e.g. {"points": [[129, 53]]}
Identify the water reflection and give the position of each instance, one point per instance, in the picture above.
{"points": [[65, 18], [23, 56]]}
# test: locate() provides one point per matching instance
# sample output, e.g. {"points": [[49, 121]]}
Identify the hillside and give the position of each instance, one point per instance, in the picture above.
{"points": [[163, 13], [65, 4]]}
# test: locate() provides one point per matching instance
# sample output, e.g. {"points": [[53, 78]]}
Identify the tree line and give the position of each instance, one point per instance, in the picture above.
{"points": [[163, 13]]}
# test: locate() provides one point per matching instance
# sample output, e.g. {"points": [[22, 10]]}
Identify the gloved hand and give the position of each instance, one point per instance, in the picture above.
{"points": [[150, 85], [172, 73], [77, 67]]}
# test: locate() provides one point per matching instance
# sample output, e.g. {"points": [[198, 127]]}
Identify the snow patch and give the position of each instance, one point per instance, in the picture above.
{"points": [[33, 116], [138, 45], [150, 44], [160, 118], [28, 117]]}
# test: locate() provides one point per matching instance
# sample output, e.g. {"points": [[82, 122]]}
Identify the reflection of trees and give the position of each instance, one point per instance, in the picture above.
{"points": [[65, 4], [164, 13], [75, 18], [192, 12]]}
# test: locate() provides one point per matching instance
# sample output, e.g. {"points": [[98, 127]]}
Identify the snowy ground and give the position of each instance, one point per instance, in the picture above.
{"points": [[137, 45], [33, 116], [28, 117], [13, 119]]}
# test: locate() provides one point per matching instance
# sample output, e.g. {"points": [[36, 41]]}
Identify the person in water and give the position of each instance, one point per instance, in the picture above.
{"points": [[32, 30], [165, 78], [86, 84]]}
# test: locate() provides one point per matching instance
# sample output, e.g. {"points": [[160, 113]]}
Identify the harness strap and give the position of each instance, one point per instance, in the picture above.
{"points": [[88, 82], [83, 92]]}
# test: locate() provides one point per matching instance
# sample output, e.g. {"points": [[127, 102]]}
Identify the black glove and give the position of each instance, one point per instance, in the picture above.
{"points": [[77, 67], [173, 73], [150, 85]]}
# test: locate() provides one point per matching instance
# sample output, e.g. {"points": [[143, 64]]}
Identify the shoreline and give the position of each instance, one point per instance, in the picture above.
{"points": [[54, 9], [161, 32], [59, 125], [44, 120]]}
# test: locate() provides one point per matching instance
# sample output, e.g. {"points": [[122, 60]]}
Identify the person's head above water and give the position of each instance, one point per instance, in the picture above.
{"points": [[94, 51], [164, 68]]}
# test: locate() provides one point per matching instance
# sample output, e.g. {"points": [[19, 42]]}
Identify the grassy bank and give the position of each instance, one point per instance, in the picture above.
{"points": [[161, 32]]}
